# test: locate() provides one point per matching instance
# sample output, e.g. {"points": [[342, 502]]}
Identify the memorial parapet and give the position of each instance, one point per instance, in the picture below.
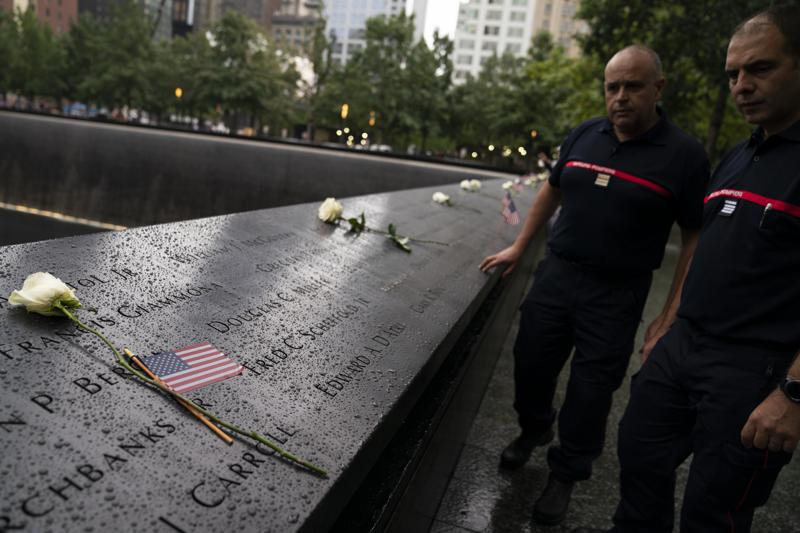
{"points": [[338, 334], [134, 176]]}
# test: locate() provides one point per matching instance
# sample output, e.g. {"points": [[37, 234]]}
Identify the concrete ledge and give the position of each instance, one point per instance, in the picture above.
{"points": [[134, 176]]}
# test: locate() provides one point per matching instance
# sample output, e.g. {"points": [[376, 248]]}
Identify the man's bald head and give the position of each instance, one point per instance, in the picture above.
{"points": [[641, 54], [633, 85]]}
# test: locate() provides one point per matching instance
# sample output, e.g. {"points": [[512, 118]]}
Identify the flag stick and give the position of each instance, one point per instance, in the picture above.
{"points": [[191, 408]]}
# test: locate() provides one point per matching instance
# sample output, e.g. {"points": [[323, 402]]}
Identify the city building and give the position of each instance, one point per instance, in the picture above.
{"points": [[159, 12], [420, 10], [183, 12], [58, 14], [208, 12], [558, 18], [346, 22], [294, 22], [494, 27]]}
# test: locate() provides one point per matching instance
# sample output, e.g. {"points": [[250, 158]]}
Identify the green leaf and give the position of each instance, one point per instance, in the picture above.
{"points": [[357, 225]]}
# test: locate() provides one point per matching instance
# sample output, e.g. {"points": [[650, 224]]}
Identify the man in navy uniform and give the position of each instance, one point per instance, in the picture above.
{"points": [[621, 181], [724, 383]]}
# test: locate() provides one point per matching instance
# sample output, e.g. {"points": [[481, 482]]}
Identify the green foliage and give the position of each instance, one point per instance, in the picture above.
{"points": [[243, 70], [545, 91], [8, 41], [357, 225], [34, 56], [398, 240], [107, 62], [691, 37]]}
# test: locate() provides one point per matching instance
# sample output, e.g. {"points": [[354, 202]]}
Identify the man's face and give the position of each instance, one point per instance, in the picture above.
{"points": [[764, 78], [632, 90]]}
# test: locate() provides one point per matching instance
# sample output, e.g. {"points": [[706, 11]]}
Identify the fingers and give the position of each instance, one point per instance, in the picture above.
{"points": [[775, 443], [761, 439], [488, 263], [509, 270], [789, 445], [748, 434]]}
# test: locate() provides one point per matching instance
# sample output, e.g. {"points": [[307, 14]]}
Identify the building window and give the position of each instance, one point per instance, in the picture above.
{"points": [[494, 14], [514, 48], [515, 32], [491, 30], [464, 60], [466, 44], [489, 45], [484, 59], [495, 2], [519, 2], [517, 16]]}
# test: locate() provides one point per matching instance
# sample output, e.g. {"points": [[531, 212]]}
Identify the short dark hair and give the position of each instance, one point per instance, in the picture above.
{"points": [[784, 17]]}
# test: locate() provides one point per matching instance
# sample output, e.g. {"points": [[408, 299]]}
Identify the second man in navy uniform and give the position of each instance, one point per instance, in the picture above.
{"points": [[621, 181], [723, 385]]}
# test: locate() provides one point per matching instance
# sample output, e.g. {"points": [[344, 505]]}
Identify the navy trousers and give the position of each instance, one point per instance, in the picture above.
{"points": [[597, 313], [693, 396]]}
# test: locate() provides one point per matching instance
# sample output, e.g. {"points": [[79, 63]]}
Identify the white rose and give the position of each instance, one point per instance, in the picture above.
{"points": [[330, 210], [465, 185], [441, 198], [474, 185], [507, 186], [41, 291]]}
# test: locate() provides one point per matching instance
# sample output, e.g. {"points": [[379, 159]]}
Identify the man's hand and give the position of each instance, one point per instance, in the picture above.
{"points": [[657, 329], [508, 256], [774, 424]]}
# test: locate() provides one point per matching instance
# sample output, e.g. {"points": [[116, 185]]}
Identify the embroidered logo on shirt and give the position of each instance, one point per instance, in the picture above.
{"points": [[728, 208], [602, 180]]}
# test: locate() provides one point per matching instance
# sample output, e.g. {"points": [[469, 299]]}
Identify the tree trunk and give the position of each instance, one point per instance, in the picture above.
{"points": [[715, 124]]}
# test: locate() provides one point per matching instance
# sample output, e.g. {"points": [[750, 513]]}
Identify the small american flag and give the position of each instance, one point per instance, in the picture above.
{"points": [[190, 368], [510, 213]]}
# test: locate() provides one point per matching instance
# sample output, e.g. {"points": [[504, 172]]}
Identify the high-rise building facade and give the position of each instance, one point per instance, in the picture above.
{"points": [[347, 22], [420, 10], [294, 23], [558, 18], [490, 27], [493, 27], [158, 12], [58, 14]]}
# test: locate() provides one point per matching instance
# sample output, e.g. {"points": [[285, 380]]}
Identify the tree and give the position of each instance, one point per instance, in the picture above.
{"points": [[246, 74], [8, 39], [429, 73], [697, 94], [323, 67], [383, 63], [33, 66], [110, 59]]}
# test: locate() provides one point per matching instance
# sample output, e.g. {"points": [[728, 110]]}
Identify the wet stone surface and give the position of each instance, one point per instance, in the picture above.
{"points": [[330, 327]]}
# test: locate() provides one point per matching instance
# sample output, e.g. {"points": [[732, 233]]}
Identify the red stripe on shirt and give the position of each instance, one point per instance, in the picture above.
{"points": [[778, 205], [663, 191]]}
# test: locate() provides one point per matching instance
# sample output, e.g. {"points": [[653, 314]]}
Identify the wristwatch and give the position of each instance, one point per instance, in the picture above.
{"points": [[791, 388]]}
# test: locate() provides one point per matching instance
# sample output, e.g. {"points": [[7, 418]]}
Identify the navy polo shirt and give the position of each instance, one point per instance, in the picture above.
{"points": [[620, 199], [744, 282]]}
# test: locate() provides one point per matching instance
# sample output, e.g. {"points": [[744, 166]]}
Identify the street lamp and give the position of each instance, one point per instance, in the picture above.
{"points": [[178, 93], [344, 111]]}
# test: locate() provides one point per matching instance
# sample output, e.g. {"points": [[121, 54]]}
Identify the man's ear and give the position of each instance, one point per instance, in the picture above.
{"points": [[660, 84]]}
